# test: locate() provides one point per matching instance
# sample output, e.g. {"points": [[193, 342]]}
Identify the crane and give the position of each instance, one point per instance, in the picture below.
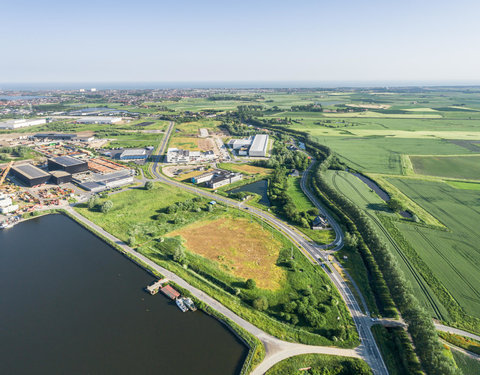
{"points": [[5, 172]]}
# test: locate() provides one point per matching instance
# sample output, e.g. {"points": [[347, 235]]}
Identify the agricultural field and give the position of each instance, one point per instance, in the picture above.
{"points": [[249, 252], [464, 185], [452, 255], [378, 212], [468, 365], [465, 167]]}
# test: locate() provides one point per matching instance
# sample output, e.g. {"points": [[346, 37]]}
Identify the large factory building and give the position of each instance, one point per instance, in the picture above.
{"points": [[30, 175], [67, 164]]}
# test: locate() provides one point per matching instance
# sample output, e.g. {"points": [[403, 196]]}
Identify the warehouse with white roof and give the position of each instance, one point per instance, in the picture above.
{"points": [[259, 146]]}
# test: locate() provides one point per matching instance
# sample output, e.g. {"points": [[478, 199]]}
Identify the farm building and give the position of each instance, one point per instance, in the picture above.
{"points": [[21, 123], [259, 146], [134, 154], [61, 177], [67, 164], [30, 175]]}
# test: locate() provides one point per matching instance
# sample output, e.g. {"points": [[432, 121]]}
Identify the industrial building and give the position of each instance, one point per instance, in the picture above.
{"points": [[61, 177], [97, 182], [30, 175], [21, 123], [217, 178], [134, 154], [67, 164], [179, 156], [259, 146], [236, 144], [55, 136], [98, 120]]}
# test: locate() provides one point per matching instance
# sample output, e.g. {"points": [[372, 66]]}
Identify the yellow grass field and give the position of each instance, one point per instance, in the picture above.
{"points": [[186, 143], [250, 169], [242, 247], [380, 115]]}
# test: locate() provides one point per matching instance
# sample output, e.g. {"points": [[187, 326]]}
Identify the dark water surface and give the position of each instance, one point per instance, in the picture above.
{"points": [[258, 187], [70, 304]]}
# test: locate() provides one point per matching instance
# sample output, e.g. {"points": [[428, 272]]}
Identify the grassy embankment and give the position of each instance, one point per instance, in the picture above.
{"points": [[319, 364], [135, 218]]}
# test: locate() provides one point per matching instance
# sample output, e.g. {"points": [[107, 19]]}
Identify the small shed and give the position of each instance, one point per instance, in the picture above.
{"points": [[170, 292]]}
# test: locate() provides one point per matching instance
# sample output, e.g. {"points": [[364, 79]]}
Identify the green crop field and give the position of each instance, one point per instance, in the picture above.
{"points": [[464, 185], [452, 255], [468, 365], [360, 194], [467, 167]]}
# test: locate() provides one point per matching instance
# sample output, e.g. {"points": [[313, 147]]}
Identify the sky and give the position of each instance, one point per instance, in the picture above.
{"points": [[241, 41]]}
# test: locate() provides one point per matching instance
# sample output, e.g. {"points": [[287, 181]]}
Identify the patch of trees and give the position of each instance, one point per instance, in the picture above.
{"points": [[192, 205], [317, 107], [243, 98]]}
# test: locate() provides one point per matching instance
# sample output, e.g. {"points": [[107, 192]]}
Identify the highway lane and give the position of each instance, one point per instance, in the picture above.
{"points": [[368, 348]]}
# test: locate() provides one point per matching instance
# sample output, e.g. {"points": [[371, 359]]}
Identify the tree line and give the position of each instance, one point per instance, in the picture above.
{"points": [[387, 279]]}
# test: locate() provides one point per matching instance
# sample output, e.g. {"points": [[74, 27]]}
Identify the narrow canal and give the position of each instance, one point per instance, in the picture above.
{"points": [[70, 304]]}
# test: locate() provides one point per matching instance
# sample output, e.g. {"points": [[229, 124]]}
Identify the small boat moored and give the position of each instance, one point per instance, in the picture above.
{"points": [[181, 305], [189, 303]]}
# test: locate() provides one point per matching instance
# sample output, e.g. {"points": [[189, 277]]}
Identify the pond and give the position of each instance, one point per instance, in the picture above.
{"points": [[259, 187]]}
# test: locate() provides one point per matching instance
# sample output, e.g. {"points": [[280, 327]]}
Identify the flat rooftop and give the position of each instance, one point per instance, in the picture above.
{"points": [[59, 173], [30, 171], [67, 161], [259, 143], [134, 152]]}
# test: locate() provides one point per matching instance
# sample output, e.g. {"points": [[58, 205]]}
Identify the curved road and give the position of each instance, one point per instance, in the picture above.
{"points": [[368, 350]]}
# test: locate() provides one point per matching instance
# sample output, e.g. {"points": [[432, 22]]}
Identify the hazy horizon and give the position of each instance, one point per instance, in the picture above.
{"points": [[249, 41]]}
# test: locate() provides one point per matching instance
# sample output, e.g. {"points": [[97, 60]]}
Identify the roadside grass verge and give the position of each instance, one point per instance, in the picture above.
{"points": [[461, 341], [320, 364]]}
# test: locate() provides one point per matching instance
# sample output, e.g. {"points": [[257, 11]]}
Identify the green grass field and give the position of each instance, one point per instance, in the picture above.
{"points": [[319, 364], [139, 216], [295, 192], [467, 167]]}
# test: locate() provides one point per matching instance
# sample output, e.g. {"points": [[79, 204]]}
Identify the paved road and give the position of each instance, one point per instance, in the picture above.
{"points": [[461, 350], [338, 242], [368, 349], [456, 331]]}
